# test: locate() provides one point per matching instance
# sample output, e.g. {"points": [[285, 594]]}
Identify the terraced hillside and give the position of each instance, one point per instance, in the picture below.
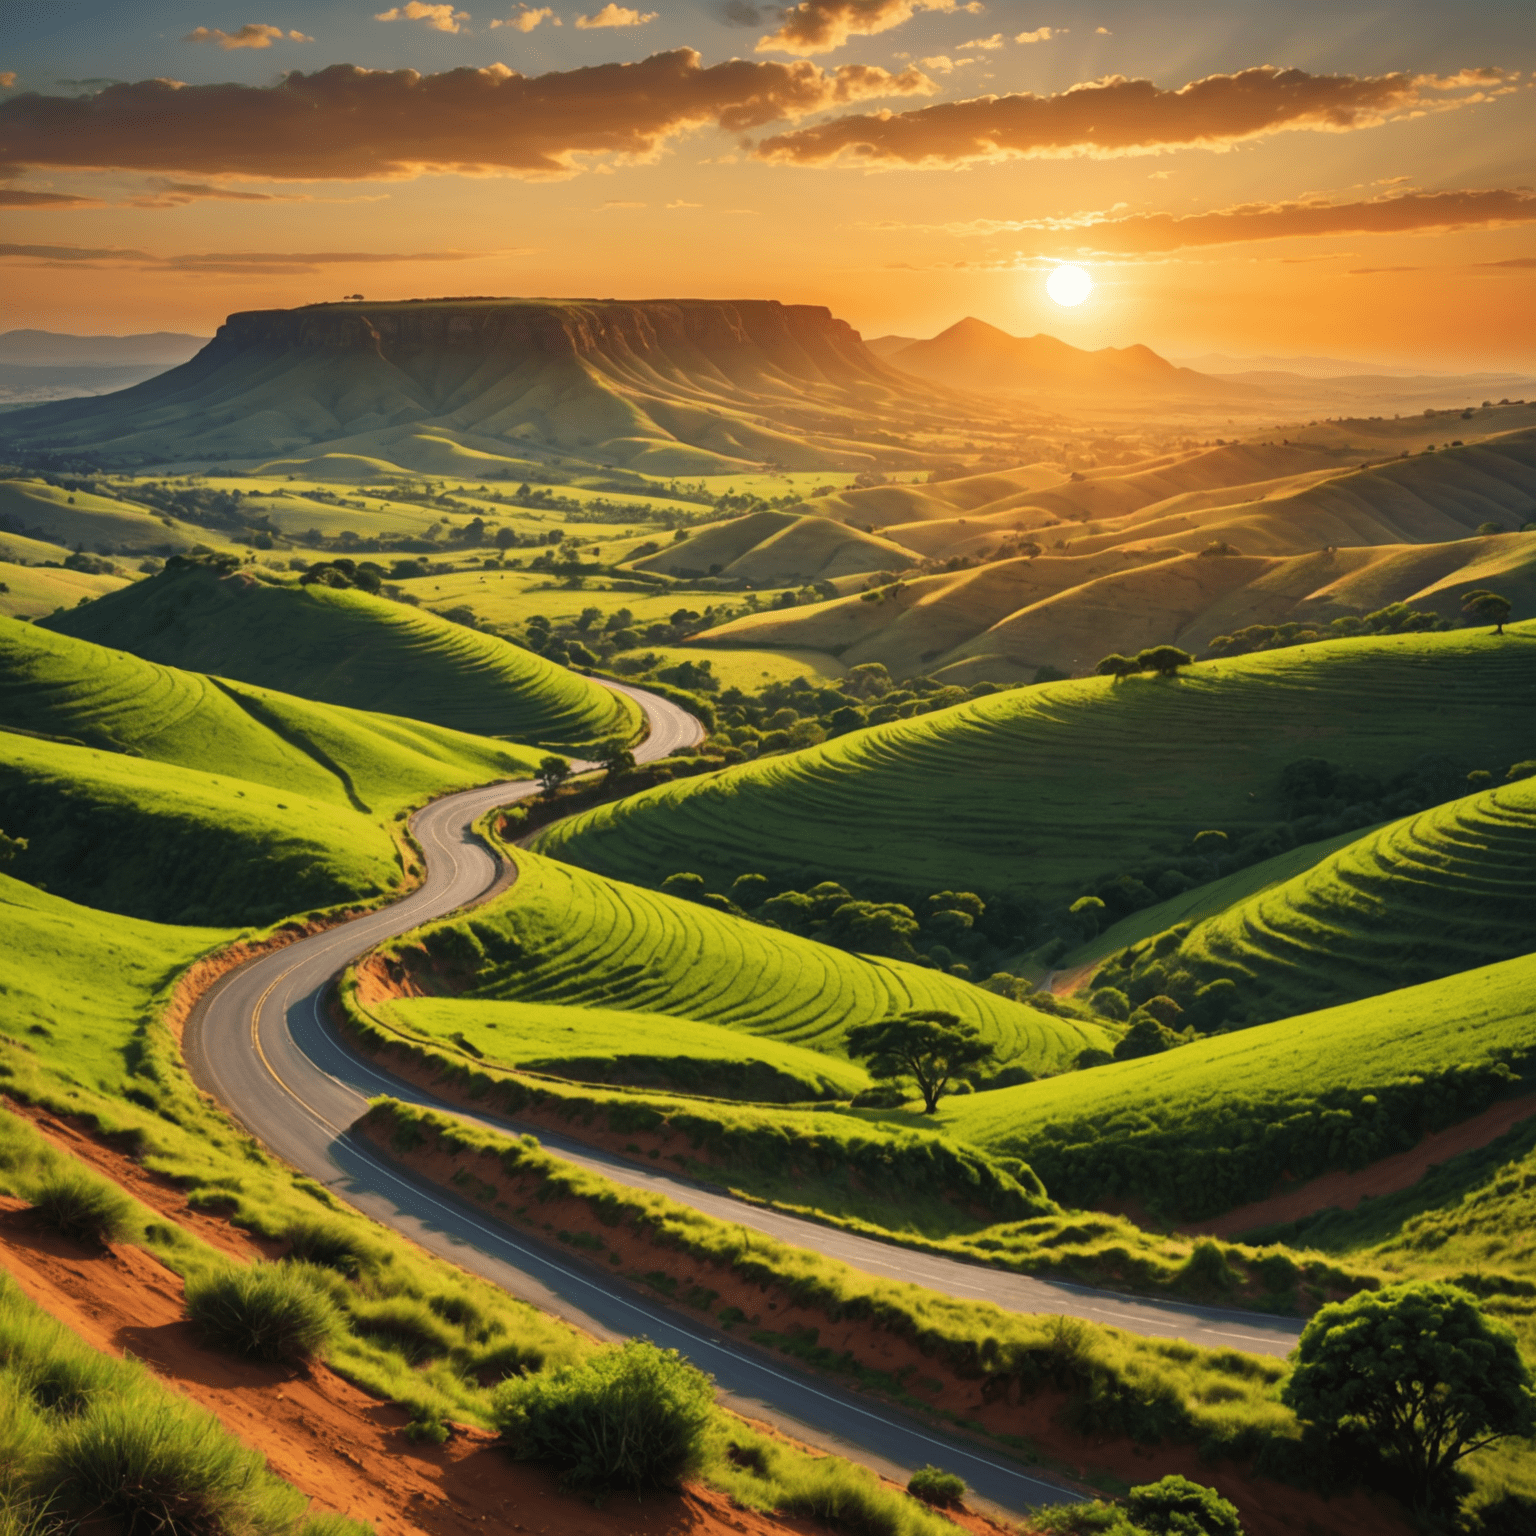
{"points": [[347, 647], [1447, 890], [501, 386], [565, 937], [1211, 1125], [125, 834], [56, 686], [1039, 791]]}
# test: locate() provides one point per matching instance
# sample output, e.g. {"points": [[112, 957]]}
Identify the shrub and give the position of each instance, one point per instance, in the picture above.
{"points": [[1514, 1514], [84, 1208], [631, 1418], [1182, 1508], [263, 1312], [1207, 1270], [935, 1486], [149, 1463]]}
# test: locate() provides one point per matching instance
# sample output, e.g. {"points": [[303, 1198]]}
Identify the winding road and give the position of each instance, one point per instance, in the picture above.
{"points": [[259, 1042]]}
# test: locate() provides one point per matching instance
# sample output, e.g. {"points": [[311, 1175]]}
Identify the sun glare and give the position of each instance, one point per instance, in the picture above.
{"points": [[1069, 285]]}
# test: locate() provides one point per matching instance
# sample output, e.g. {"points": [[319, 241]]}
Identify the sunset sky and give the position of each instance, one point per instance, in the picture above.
{"points": [[1244, 176]]}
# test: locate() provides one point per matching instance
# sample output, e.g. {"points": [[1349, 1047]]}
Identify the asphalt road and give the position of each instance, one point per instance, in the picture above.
{"points": [[258, 1041]]}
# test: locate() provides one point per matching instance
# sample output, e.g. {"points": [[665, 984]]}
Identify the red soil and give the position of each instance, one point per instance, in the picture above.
{"points": [[332, 1441], [1345, 1190], [1268, 1508]]}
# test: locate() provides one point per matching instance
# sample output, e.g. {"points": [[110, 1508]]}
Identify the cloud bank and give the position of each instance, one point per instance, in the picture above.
{"points": [[1119, 116], [346, 123], [253, 34], [819, 26]]}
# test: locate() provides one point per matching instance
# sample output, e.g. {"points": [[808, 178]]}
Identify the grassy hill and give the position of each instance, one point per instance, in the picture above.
{"points": [[1208, 1126], [346, 647], [562, 936], [30, 592], [1450, 889], [56, 686], [1038, 791], [176, 845], [775, 549], [67, 519], [497, 387]]}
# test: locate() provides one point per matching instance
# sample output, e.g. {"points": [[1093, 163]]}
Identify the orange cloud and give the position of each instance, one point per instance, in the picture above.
{"points": [[819, 26], [7, 79], [440, 18], [356, 124], [613, 15], [1148, 233], [237, 262], [1119, 116], [1042, 34], [253, 34], [527, 19], [19, 197]]}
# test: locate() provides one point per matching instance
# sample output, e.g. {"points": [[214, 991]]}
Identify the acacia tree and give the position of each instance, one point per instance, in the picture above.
{"points": [[1422, 1371], [1483, 607], [553, 772], [927, 1045], [1163, 659]]}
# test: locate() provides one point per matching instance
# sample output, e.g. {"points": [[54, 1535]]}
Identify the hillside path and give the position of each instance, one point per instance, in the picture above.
{"points": [[259, 1042]]}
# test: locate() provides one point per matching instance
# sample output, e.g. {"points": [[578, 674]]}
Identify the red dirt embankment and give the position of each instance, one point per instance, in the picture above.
{"points": [[1268, 1508], [332, 1441], [1344, 1190]]}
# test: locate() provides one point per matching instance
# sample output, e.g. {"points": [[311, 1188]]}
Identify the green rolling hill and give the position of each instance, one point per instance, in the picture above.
{"points": [[1450, 889], [63, 520], [152, 840], [70, 690], [1211, 1125], [349, 648], [1039, 791], [562, 936]]}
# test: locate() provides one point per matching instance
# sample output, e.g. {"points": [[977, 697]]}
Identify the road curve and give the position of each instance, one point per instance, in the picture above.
{"points": [[258, 1042]]}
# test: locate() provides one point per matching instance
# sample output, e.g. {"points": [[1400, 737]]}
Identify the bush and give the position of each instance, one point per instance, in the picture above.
{"points": [[935, 1486], [264, 1312], [148, 1463], [84, 1208], [631, 1418], [1514, 1514], [1182, 1508], [407, 1325]]}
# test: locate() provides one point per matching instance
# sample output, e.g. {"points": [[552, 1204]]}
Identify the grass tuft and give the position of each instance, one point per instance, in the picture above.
{"points": [[268, 1312], [84, 1208]]}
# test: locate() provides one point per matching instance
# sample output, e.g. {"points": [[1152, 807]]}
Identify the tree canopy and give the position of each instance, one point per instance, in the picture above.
{"points": [[1422, 1371], [1484, 607], [927, 1045]]}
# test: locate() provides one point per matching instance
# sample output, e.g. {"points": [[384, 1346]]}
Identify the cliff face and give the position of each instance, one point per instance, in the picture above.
{"points": [[664, 386]]}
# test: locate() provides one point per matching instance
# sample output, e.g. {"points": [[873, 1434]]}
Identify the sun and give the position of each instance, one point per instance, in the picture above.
{"points": [[1069, 285]]}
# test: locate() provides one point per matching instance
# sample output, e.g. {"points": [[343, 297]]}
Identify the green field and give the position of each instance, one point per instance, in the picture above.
{"points": [[102, 524], [1041, 791], [346, 647], [563, 936], [610, 1045], [54, 685], [1210, 1125], [179, 845], [1447, 890], [31, 592]]}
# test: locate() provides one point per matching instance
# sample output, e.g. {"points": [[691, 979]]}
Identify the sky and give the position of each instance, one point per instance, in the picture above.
{"points": [[1250, 177]]}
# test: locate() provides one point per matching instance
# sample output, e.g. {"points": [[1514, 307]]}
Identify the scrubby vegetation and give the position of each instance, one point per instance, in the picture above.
{"points": [[272, 1312], [80, 1206]]}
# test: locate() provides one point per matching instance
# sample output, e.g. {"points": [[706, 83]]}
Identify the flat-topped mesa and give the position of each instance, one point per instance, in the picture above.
{"points": [[496, 387], [798, 338]]}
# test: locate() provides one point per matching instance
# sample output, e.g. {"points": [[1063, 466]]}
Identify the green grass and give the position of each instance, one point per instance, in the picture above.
{"points": [[55, 685], [1205, 900], [34, 591], [348, 648], [268, 1312], [1449, 889], [609, 1045], [100, 523], [1041, 790], [1213, 1124], [154, 840], [560, 935]]}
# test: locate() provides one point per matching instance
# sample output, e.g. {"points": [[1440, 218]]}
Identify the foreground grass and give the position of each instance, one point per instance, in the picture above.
{"points": [[1213, 1124], [348, 648], [992, 796]]}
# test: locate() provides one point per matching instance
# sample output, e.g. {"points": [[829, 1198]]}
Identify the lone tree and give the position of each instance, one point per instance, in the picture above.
{"points": [[1162, 659], [615, 759], [1422, 1371], [1483, 607], [1116, 665], [553, 772], [927, 1045], [10, 847]]}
